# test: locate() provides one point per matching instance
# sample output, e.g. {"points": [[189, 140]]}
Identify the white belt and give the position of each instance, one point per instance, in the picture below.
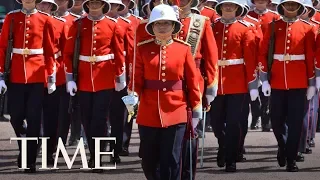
{"points": [[57, 55], [27, 51], [282, 57], [94, 59], [230, 62]]}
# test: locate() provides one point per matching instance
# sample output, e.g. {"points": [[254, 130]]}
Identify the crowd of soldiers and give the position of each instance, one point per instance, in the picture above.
{"points": [[91, 63]]}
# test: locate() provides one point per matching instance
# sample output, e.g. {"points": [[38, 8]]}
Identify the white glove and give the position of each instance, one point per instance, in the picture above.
{"points": [[210, 98], [254, 93], [72, 88], [120, 86], [266, 88], [130, 100], [318, 83], [3, 87], [51, 87], [195, 122], [176, 10], [311, 91]]}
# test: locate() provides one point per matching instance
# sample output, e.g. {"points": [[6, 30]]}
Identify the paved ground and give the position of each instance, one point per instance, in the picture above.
{"points": [[261, 162]]}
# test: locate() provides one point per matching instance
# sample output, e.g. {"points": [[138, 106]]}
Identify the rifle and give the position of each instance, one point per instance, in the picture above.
{"points": [[7, 66], [271, 49], [75, 66]]}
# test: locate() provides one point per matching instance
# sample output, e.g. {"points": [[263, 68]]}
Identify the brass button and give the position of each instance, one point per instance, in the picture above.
{"points": [[164, 47], [225, 45], [27, 28], [163, 80], [27, 42], [94, 42], [224, 52], [28, 16], [289, 29], [288, 41], [181, 38], [225, 38], [95, 22], [182, 20], [27, 35], [288, 47], [290, 24], [289, 35], [163, 62], [227, 25], [163, 57], [164, 89], [287, 62], [181, 32], [163, 68], [95, 34], [164, 52], [223, 58], [94, 49], [163, 74], [25, 55], [226, 31], [223, 66], [28, 22]]}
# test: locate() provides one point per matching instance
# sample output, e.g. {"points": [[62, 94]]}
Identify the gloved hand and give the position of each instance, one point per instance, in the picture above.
{"points": [[51, 87], [195, 122], [176, 10], [266, 88], [130, 100], [254, 93], [318, 83], [3, 87], [311, 91], [72, 88], [120, 86]]}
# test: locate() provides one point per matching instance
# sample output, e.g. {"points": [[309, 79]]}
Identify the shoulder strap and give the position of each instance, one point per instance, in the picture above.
{"points": [[195, 31]]}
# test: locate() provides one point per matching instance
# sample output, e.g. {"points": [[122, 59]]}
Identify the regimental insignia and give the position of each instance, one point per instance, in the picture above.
{"points": [[162, 13], [287, 57], [196, 23]]}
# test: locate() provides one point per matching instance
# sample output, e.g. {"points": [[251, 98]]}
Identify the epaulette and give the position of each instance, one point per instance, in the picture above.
{"points": [[59, 18], [113, 19], [209, 8], [252, 18], [305, 21], [244, 23], [15, 11], [247, 22], [183, 42], [125, 19], [143, 21], [44, 13], [137, 16], [216, 20], [314, 21], [145, 42], [74, 15]]}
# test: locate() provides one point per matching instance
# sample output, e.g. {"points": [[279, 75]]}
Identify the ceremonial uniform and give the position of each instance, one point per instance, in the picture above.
{"points": [[292, 72], [101, 63], [135, 20], [237, 70], [142, 34], [264, 17], [33, 53], [210, 13], [118, 111]]}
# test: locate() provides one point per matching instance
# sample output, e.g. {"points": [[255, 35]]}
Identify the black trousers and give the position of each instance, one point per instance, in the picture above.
{"points": [[51, 106], [265, 109], [288, 108], [94, 110], [64, 116], [127, 132], [227, 115], [75, 124], [161, 146], [118, 116], [26, 101]]}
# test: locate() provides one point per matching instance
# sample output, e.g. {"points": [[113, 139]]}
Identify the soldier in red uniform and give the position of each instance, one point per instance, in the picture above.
{"points": [[237, 67], [162, 121], [118, 112], [317, 14], [135, 20], [33, 54], [197, 31], [292, 77], [101, 64], [208, 11], [51, 102], [264, 15]]}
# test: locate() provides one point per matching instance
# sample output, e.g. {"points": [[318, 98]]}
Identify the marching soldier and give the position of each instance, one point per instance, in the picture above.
{"points": [[292, 77], [135, 20], [118, 111], [203, 46], [32, 54], [52, 100], [237, 67], [101, 64], [162, 122], [77, 9]]}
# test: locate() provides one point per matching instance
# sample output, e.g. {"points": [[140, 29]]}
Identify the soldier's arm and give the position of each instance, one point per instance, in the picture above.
{"points": [[4, 42], [317, 57], [193, 85], [48, 46], [309, 54], [129, 49], [263, 55], [68, 51], [118, 48], [210, 56], [248, 46], [138, 75]]}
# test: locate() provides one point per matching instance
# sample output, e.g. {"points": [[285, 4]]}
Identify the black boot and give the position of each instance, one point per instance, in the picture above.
{"points": [[312, 143], [300, 157], [32, 168], [292, 166], [115, 159], [231, 167], [281, 157], [91, 164], [221, 158]]}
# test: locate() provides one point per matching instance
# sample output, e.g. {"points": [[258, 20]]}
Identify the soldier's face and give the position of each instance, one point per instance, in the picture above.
{"points": [[44, 7], [229, 7], [163, 27], [261, 4], [95, 5], [28, 1], [61, 2]]}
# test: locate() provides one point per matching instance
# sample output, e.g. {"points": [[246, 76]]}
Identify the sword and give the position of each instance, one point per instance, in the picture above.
{"points": [[190, 156], [203, 136]]}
